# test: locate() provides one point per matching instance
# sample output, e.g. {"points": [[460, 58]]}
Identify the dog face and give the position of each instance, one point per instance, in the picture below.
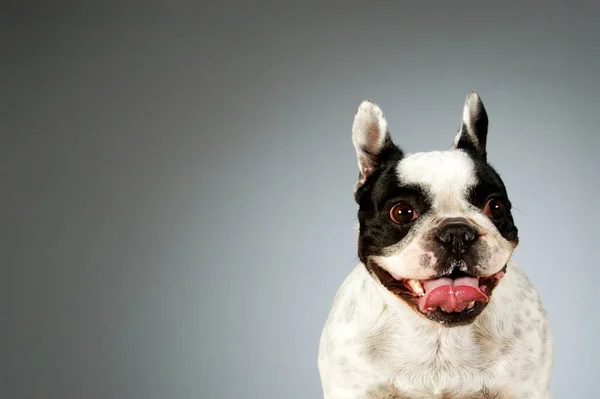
{"points": [[435, 227]]}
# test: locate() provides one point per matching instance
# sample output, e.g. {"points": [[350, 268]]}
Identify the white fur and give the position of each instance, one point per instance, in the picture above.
{"points": [[375, 346], [448, 188], [469, 112], [369, 131]]}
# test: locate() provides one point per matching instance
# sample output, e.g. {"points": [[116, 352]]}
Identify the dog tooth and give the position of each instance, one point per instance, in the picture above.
{"points": [[416, 286], [471, 305]]}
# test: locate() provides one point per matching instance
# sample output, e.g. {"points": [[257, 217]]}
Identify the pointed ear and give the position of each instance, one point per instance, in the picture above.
{"points": [[472, 135], [371, 140]]}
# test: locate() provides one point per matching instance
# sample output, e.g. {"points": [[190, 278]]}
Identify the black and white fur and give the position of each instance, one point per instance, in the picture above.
{"points": [[376, 343]]}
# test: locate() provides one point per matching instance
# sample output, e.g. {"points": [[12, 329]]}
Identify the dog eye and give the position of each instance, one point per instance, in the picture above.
{"points": [[494, 209], [402, 213]]}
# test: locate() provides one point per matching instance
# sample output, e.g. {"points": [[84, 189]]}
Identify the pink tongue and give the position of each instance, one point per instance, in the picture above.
{"points": [[451, 295]]}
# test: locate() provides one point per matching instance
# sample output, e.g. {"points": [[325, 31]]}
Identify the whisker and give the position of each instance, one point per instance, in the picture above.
{"points": [[520, 211]]}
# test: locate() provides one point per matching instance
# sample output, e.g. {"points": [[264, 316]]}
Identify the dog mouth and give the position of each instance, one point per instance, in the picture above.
{"points": [[458, 292], [453, 299]]}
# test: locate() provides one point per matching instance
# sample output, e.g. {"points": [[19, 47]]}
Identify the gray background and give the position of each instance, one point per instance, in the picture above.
{"points": [[177, 179]]}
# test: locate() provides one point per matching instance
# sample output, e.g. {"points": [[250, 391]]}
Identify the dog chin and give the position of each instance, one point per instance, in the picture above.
{"points": [[455, 299]]}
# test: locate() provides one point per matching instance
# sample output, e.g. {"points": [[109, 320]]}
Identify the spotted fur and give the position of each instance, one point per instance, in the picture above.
{"points": [[374, 344]]}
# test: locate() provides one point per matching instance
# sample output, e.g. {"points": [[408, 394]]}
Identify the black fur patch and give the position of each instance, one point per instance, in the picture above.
{"points": [[376, 198], [489, 186]]}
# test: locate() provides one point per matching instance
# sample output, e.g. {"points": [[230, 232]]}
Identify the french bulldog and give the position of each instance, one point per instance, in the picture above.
{"points": [[437, 307]]}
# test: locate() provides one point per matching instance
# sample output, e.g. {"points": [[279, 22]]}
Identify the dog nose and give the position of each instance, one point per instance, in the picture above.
{"points": [[457, 236]]}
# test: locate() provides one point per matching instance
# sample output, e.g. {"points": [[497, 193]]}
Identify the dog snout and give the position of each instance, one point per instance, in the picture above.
{"points": [[458, 236]]}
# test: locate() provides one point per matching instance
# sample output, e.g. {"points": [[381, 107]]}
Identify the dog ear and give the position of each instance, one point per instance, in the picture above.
{"points": [[472, 134], [371, 140]]}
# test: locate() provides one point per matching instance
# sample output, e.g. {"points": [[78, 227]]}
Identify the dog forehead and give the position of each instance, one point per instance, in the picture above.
{"points": [[438, 171]]}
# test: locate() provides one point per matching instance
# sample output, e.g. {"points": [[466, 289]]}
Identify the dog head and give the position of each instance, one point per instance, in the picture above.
{"points": [[435, 228]]}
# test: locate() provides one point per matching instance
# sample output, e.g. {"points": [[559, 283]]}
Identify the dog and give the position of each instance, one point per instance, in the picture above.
{"points": [[437, 307]]}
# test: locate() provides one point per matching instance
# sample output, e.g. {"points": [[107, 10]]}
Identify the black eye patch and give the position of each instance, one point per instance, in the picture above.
{"points": [[490, 186], [376, 199]]}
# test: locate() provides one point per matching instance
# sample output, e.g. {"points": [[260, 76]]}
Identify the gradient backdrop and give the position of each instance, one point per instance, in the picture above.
{"points": [[177, 179]]}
